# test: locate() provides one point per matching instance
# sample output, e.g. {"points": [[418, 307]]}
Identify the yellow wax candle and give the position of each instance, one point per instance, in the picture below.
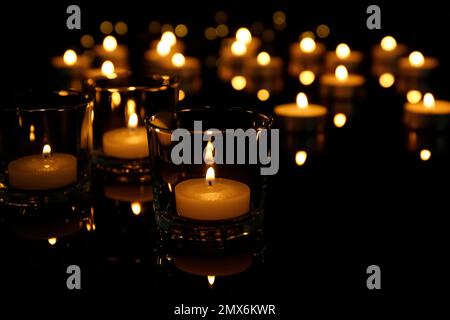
{"points": [[211, 198], [428, 114], [43, 172], [301, 116], [126, 143]]}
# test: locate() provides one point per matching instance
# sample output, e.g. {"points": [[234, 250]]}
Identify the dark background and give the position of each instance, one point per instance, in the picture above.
{"points": [[364, 200]]}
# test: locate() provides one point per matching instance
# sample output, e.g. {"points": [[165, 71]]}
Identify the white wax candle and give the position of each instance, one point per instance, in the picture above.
{"points": [[43, 172], [212, 199], [428, 114], [126, 143]]}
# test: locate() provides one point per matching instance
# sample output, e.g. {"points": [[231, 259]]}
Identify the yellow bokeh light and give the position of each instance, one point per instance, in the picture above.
{"points": [[386, 80], [323, 31], [87, 41], [279, 18], [388, 43], [263, 94], [244, 35], [52, 241], [136, 208], [416, 59], [70, 57], [108, 68], [181, 95], [163, 48], [428, 100], [307, 45], [340, 120], [109, 43], [154, 27], [341, 73], [210, 33], [302, 100], [307, 34], [263, 58], [106, 27], [414, 96], [425, 155], [300, 157], [181, 30], [121, 28], [222, 30], [169, 38], [238, 48], [306, 77], [343, 51], [238, 82], [178, 60]]}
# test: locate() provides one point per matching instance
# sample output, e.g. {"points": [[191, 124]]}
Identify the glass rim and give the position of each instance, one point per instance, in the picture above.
{"points": [[167, 82], [85, 100], [148, 120]]}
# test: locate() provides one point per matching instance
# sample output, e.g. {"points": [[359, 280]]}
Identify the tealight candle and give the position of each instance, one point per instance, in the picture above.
{"points": [[428, 114], [343, 56], [212, 198], [306, 55], [126, 143], [264, 71], [44, 171], [341, 84], [386, 55], [75, 65], [301, 116], [111, 50], [187, 70], [415, 71]]}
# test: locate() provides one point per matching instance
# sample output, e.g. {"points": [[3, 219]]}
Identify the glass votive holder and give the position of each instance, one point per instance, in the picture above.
{"points": [[45, 142], [120, 148], [209, 198]]}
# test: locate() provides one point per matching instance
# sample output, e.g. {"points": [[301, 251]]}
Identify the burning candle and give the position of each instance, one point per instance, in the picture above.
{"points": [[301, 116], [428, 114], [264, 71], [343, 56], [386, 55], [126, 143], [111, 50], [72, 62], [307, 55], [44, 171], [212, 198], [341, 84], [415, 71]]}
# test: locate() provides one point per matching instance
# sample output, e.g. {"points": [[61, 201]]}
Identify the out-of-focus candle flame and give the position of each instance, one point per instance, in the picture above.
{"points": [[52, 241], [342, 51], [163, 48], [209, 153], [210, 175], [414, 96], [386, 80], [416, 59], [428, 100], [300, 157], [211, 280], [32, 135], [108, 68], [169, 38], [70, 57], [263, 94], [244, 35], [133, 121], [178, 60], [263, 58], [109, 43], [302, 100], [388, 43], [425, 155], [136, 208], [306, 77], [307, 45], [238, 48], [46, 151], [181, 95], [339, 120], [341, 73], [116, 99], [238, 82]]}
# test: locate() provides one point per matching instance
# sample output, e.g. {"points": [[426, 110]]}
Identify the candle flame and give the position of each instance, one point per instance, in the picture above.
{"points": [[210, 175], [70, 57], [342, 51], [52, 241], [300, 157], [414, 96], [169, 38], [307, 45], [136, 208], [263, 94], [388, 43], [425, 155], [416, 59], [108, 68], [133, 121], [131, 107], [263, 58], [341, 73], [238, 48], [386, 80], [211, 280], [178, 60], [46, 151], [163, 48], [428, 100], [115, 99], [306, 77], [243, 35], [238, 82], [302, 100], [109, 43], [339, 120], [209, 153]]}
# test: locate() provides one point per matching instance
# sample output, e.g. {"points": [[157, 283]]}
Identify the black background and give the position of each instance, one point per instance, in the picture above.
{"points": [[364, 200]]}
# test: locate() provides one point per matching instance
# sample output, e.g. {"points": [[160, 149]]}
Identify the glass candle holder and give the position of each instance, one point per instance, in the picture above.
{"points": [[45, 141], [120, 106], [209, 199]]}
